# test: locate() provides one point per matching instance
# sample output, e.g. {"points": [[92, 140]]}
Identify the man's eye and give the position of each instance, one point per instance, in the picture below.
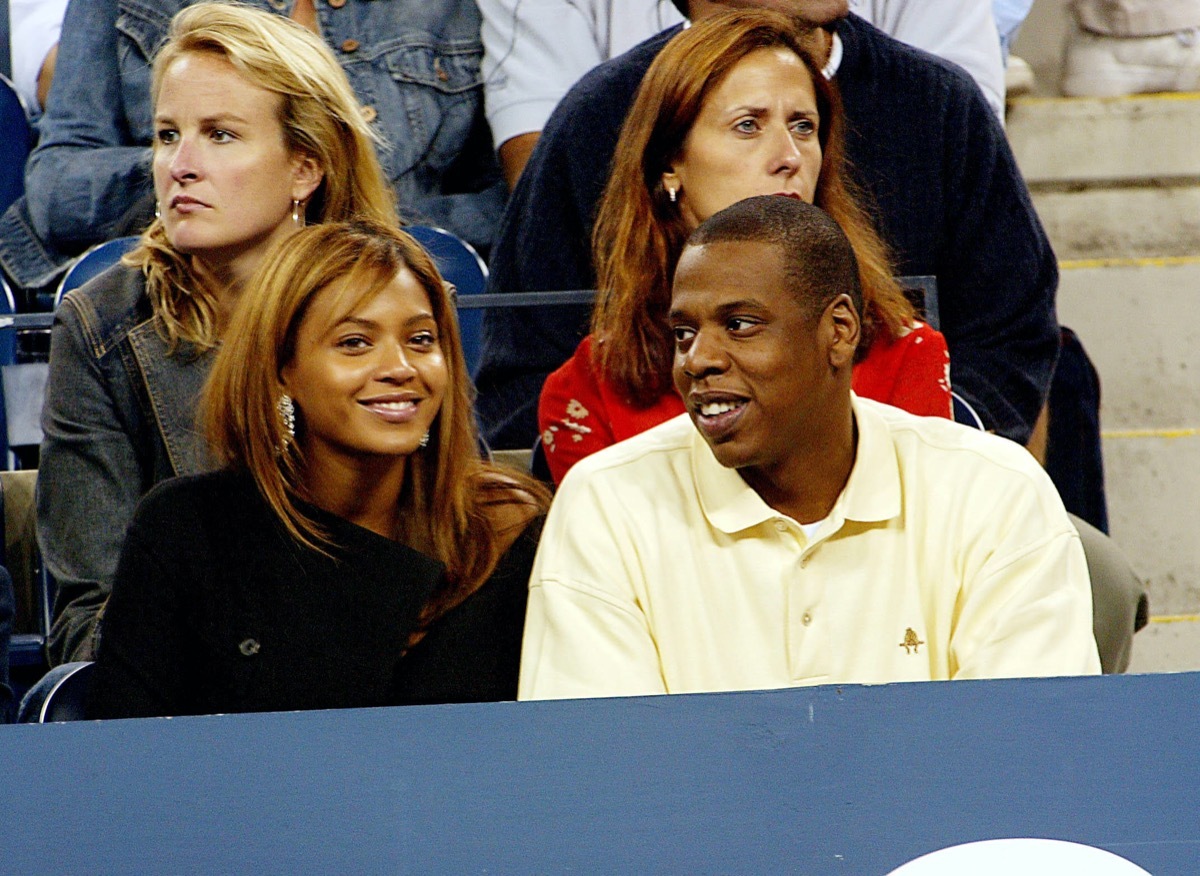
{"points": [[682, 334]]}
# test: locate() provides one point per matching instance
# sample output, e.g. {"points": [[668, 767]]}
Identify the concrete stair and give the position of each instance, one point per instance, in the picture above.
{"points": [[1117, 177], [1140, 323], [1116, 182]]}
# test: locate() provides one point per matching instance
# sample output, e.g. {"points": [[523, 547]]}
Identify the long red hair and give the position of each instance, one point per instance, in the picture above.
{"points": [[639, 232]]}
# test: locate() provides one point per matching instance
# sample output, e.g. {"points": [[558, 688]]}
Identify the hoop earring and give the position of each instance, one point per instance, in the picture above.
{"points": [[297, 216], [287, 413]]}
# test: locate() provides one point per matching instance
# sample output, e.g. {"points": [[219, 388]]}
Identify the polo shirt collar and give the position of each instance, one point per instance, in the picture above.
{"points": [[871, 494]]}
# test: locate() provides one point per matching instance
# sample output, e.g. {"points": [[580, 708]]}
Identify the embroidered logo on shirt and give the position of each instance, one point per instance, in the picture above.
{"points": [[912, 643]]}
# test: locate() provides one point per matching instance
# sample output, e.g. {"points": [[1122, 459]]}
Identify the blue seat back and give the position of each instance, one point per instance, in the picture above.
{"points": [[97, 259], [461, 265], [922, 290], [964, 413], [61, 695], [16, 142], [8, 306]]}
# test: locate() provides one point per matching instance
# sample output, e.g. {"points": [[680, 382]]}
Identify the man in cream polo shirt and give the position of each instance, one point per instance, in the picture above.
{"points": [[785, 532]]}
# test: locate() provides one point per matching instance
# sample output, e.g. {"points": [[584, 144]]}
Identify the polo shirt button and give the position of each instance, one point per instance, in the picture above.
{"points": [[807, 619], [249, 647], [369, 114], [781, 525], [350, 46]]}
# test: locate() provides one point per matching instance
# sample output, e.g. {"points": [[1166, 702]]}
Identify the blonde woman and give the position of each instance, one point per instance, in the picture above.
{"points": [[353, 550], [256, 134]]}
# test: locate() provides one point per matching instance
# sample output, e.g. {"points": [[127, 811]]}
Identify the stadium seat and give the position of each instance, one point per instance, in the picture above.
{"points": [[94, 261], [60, 695], [461, 265]]}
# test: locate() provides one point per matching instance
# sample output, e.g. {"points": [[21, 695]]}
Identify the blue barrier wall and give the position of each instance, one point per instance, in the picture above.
{"points": [[847, 780]]}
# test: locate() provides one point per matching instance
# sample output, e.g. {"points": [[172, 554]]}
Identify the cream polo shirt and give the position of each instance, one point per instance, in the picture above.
{"points": [[948, 554]]}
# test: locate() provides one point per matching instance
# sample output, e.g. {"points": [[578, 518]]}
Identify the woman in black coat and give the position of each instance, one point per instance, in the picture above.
{"points": [[354, 549]]}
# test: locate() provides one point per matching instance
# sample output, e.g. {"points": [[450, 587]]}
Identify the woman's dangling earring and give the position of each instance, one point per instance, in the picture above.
{"points": [[297, 216], [671, 193], [157, 210], [287, 413], [424, 442]]}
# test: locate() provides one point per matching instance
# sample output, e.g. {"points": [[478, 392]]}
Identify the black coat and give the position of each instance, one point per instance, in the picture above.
{"points": [[215, 608]]}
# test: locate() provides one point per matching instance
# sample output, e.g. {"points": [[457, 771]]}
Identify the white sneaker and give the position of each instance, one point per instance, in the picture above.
{"points": [[1108, 66], [1018, 77]]}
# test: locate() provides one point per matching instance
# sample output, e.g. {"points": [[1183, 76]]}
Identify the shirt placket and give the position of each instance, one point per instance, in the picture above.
{"points": [[806, 623]]}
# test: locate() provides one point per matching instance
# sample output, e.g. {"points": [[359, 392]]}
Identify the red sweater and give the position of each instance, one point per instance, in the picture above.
{"points": [[580, 413]]}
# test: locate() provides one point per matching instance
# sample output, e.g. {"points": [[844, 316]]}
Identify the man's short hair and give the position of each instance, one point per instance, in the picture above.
{"points": [[818, 259]]}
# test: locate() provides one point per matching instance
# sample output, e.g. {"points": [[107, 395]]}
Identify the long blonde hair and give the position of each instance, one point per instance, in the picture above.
{"points": [[320, 116], [448, 487], [639, 233]]}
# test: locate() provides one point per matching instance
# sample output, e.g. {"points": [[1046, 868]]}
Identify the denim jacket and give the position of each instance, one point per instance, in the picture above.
{"points": [[414, 63], [118, 418]]}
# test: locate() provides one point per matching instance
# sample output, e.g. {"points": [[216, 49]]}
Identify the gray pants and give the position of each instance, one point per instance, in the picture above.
{"points": [[1119, 604]]}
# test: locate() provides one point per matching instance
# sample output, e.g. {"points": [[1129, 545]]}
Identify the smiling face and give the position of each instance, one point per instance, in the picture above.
{"points": [[223, 175], [368, 383], [756, 134], [765, 381]]}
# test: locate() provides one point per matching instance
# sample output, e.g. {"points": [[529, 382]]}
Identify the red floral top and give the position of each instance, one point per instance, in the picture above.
{"points": [[579, 413]]}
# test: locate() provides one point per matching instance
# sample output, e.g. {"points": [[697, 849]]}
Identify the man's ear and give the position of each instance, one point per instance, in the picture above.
{"points": [[845, 329], [306, 176]]}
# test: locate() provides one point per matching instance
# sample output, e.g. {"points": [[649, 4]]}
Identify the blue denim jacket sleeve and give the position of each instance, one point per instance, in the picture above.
{"points": [[90, 475], [92, 159], [414, 63]]}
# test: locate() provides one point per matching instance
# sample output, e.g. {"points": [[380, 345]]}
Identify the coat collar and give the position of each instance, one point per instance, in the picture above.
{"points": [[174, 383]]}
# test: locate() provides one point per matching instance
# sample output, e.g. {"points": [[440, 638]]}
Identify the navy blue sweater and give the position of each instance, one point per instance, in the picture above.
{"points": [[921, 140]]}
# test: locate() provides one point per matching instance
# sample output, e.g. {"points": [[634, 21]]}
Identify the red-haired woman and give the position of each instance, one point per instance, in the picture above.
{"points": [[732, 108]]}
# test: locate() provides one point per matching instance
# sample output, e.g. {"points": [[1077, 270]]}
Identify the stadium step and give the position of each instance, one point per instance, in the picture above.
{"points": [[1112, 177], [1140, 322]]}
